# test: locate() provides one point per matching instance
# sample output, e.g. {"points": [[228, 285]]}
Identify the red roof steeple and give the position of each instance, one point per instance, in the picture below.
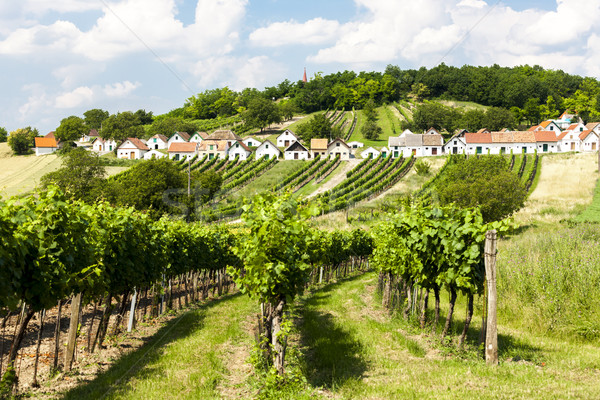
{"points": [[304, 77]]}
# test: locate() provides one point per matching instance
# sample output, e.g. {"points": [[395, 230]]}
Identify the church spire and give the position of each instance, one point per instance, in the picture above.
{"points": [[304, 76]]}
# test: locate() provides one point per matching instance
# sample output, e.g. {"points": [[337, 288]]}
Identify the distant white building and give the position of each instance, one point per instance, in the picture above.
{"points": [[296, 151], [154, 154], [132, 148], [158, 142], [182, 150], [370, 152], [286, 139], [239, 149], [339, 147], [251, 142], [267, 148]]}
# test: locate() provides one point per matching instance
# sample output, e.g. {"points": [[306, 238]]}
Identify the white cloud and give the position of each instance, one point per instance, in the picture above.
{"points": [[314, 31], [120, 89], [472, 3], [82, 95], [61, 6]]}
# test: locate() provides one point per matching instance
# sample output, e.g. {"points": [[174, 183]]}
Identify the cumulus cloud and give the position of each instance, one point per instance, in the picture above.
{"points": [[120, 89], [314, 31], [80, 96]]}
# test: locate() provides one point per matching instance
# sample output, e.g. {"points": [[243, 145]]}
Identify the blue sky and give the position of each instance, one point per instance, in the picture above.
{"points": [[63, 57]]}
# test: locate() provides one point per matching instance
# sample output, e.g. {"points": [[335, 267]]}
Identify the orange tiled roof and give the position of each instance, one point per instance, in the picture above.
{"points": [[545, 136], [585, 134], [45, 142], [471, 137], [523, 137], [138, 143], [502, 137], [182, 147]]}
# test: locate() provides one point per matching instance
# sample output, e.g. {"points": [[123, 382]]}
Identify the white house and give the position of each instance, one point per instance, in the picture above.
{"points": [[267, 148], [356, 145], [296, 151], [456, 144], [178, 137], [90, 136], [158, 142], [569, 140], [154, 154], [132, 148], [339, 147], [251, 142], [432, 131], [546, 141], [548, 125], [239, 149], [45, 145], [589, 140], [102, 146], [384, 152], [198, 137], [286, 139], [433, 143], [370, 153], [182, 150]]}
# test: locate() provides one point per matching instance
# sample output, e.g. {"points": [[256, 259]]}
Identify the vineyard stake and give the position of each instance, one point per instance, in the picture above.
{"points": [[132, 310], [491, 340], [72, 338]]}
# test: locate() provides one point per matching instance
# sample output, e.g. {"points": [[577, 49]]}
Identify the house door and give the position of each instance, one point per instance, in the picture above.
{"points": [[524, 150], [545, 148], [286, 143], [479, 149], [395, 154], [295, 156], [100, 147], [573, 146], [156, 147], [594, 146], [132, 155], [455, 150], [383, 155], [434, 151], [414, 152]]}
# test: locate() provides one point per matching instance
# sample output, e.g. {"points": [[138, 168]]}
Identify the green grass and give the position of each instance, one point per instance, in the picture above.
{"points": [[189, 358], [273, 176], [384, 122], [352, 349], [592, 212]]}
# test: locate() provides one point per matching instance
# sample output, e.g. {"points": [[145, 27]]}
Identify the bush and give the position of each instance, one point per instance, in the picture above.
{"points": [[370, 130], [422, 167]]}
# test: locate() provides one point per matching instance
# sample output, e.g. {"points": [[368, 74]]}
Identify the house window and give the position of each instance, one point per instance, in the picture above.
{"points": [[524, 150], [479, 149], [266, 146], [154, 140], [502, 150], [455, 143], [337, 144], [176, 157], [551, 128], [211, 147]]}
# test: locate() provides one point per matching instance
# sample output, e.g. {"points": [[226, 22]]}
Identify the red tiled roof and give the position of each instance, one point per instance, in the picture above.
{"points": [[471, 137], [221, 145], [45, 142], [523, 137], [585, 134], [571, 127], [545, 136], [50, 135], [93, 133], [182, 147], [533, 128], [483, 130], [502, 137], [161, 137], [563, 134], [138, 143], [318, 144], [184, 135], [592, 125]]}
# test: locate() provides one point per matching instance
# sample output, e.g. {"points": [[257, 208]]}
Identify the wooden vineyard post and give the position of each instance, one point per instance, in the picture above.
{"points": [[132, 310], [72, 338], [491, 338]]}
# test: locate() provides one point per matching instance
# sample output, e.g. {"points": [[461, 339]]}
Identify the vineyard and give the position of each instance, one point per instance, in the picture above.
{"points": [[109, 264]]}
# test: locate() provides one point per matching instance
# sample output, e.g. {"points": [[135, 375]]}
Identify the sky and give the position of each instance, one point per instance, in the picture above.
{"points": [[63, 57]]}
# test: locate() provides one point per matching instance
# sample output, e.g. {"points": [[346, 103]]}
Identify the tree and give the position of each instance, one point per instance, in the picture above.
{"points": [[145, 118], [21, 140], [121, 126], [370, 130], [532, 110], [287, 109], [3, 135], [206, 184], [80, 177], [484, 182], [261, 113], [71, 129], [169, 125], [94, 118], [156, 186], [317, 127], [369, 111]]}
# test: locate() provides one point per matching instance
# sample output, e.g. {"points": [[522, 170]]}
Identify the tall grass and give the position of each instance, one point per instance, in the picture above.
{"points": [[550, 281], [592, 212]]}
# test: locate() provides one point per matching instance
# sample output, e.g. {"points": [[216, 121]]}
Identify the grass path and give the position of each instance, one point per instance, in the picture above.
{"points": [[353, 349], [200, 355]]}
